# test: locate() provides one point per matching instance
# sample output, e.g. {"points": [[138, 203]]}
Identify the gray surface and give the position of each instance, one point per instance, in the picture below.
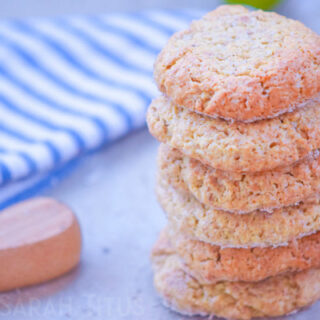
{"points": [[112, 194]]}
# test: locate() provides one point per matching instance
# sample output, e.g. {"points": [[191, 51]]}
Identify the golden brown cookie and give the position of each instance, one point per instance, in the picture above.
{"points": [[255, 229], [241, 65], [211, 263], [272, 297], [241, 193], [238, 147]]}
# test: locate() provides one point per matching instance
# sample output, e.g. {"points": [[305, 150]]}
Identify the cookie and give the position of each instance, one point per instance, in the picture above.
{"points": [[241, 65], [255, 229], [211, 263], [241, 193], [275, 296], [238, 147]]}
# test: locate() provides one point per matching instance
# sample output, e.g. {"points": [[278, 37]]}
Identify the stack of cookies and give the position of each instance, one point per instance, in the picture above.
{"points": [[239, 165]]}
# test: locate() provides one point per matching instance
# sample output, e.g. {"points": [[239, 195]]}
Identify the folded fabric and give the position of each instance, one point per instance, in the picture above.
{"points": [[70, 85]]}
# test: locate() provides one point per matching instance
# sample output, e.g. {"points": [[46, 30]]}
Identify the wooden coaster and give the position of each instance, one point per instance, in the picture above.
{"points": [[40, 239]]}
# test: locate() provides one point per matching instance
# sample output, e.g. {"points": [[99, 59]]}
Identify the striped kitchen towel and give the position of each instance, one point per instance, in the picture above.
{"points": [[70, 85]]}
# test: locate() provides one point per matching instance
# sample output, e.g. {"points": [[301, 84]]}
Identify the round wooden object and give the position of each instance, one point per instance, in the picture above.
{"points": [[40, 239]]}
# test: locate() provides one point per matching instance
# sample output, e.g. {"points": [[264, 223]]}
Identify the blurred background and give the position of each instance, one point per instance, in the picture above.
{"points": [[307, 11]]}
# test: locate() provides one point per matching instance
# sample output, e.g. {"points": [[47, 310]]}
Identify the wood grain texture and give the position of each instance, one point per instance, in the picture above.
{"points": [[40, 239]]}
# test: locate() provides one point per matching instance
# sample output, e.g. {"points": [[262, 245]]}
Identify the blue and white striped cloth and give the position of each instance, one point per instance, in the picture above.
{"points": [[70, 85]]}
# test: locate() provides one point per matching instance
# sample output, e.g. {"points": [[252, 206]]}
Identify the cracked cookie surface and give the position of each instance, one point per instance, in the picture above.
{"points": [[272, 297], [241, 65], [225, 229], [238, 147], [210, 263], [241, 193]]}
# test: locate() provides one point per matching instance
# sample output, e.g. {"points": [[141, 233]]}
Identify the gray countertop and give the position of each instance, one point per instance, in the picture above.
{"points": [[112, 194]]}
